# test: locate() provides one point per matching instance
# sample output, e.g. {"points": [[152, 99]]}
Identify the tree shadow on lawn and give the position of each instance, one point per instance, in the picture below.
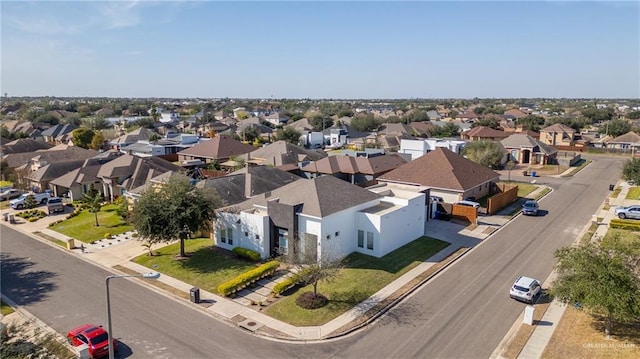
{"points": [[623, 332], [21, 284]]}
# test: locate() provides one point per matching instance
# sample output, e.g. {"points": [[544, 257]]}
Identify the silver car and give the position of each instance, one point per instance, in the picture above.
{"points": [[628, 212]]}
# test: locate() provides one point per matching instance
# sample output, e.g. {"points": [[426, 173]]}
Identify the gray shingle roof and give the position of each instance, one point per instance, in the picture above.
{"points": [[320, 197]]}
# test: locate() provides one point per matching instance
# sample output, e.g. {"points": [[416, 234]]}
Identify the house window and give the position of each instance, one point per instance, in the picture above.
{"points": [[369, 240], [257, 236], [283, 241], [223, 235], [226, 236], [360, 238], [246, 234]]}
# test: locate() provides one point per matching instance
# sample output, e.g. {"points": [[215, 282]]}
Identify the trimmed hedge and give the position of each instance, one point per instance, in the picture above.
{"points": [[247, 253], [284, 285], [628, 224], [239, 282]]}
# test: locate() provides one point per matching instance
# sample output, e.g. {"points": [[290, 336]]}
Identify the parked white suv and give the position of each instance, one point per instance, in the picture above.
{"points": [[525, 289], [20, 202]]}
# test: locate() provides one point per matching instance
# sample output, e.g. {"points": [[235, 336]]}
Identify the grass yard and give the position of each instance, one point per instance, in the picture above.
{"points": [[362, 277], [83, 226], [5, 308], [634, 193], [206, 268], [579, 335]]}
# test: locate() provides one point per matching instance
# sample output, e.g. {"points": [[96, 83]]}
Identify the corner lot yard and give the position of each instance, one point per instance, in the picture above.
{"points": [[361, 277]]}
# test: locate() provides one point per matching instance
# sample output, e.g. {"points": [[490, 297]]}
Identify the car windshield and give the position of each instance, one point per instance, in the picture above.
{"points": [[55, 200], [530, 204], [98, 339], [522, 289]]}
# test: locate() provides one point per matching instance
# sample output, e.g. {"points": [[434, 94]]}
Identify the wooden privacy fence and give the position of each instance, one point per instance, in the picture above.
{"points": [[507, 194], [465, 213]]}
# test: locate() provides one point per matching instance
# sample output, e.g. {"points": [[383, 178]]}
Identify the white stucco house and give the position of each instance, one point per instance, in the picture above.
{"points": [[323, 217], [418, 148]]}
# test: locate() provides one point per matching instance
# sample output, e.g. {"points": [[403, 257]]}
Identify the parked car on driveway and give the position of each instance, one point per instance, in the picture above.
{"points": [[632, 212], [10, 193], [530, 208], [94, 336], [525, 289], [54, 204], [21, 202]]}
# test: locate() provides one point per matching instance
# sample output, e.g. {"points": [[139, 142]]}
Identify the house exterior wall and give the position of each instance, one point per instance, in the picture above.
{"points": [[415, 148], [401, 226]]}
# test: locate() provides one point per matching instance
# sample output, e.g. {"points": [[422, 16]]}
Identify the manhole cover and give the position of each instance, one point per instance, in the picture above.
{"points": [[250, 325]]}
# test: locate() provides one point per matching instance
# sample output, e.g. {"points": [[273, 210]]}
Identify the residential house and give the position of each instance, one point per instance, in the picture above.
{"points": [[484, 133], [38, 180], [514, 114], [558, 135], [321, 218], [282, 153], [247, 182], [128, 172], [300, 125], [21, 126], [468, 116], [276, 119], [77, 182], [446, 174], [169, 116], [23, 145], [525, 149], [434, 115], [419, 147], [139, 134], [58, 134], [219, 148], [362, 171], [630, 141], [162, 146]]}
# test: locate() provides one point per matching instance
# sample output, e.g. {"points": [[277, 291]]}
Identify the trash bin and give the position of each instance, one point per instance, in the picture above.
{"points": [[6, 217], [12, 219], [524, 173], [611, 187], [533, 173], [194, 295]]}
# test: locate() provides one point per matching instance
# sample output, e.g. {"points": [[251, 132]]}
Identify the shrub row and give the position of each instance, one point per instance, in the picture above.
{"points": [[32, 215], [75, 212], [247, 253], [284, 285], [627, 224], [244, 279]]}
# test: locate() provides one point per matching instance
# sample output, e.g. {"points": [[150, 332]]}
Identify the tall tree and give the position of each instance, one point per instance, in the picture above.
{"points": [[82, 137], [93, 199], [288, 134], [448, 130], [600, 280], [615, 128], [164, 215], [484, 152], [97, 141], [631, 170]]}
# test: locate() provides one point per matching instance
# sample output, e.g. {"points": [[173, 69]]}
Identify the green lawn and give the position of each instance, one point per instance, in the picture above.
{"points": [[83, 226], [634, 193], [362, 277], [626, 236], [206, 268]]}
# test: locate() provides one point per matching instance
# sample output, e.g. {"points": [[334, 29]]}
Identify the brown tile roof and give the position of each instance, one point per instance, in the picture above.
{"points": [[558, 128], [219, 147], [515, 113], [352, 165], [55, 154], [444, 169], [485, 132], [281, 153], [24, 145], [629, 137]]}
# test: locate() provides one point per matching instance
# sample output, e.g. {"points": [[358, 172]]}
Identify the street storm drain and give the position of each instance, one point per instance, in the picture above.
{"points": [[250, 325]]}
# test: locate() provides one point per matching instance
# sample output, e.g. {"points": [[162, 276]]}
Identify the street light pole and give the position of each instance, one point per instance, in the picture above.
{"points": [[150, 275]]}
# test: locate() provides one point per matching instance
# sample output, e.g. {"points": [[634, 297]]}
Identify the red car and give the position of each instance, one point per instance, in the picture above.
{"points": [[96, 338]]}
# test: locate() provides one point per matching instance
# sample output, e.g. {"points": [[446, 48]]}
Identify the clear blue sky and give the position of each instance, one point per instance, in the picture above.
{"points": [[320, 49]]}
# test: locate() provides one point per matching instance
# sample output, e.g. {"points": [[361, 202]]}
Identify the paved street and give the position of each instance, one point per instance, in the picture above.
{"points": [[463, 312]]}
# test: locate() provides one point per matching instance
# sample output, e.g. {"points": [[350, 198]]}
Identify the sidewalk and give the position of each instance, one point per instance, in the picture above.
{"points": [[120, 250]]}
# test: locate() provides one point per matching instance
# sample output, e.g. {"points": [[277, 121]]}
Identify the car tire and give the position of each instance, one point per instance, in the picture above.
{"points": [[622, 216], [20, 206]]}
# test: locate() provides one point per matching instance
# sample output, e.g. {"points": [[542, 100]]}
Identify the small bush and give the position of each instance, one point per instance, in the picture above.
{"points": [[107, 235], [247, 253], [33, 219], [245, 278], [308, 300], [284, 285]]}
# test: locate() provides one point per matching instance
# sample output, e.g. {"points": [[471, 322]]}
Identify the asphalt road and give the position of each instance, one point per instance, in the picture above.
{"points": [[462, 313]]}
